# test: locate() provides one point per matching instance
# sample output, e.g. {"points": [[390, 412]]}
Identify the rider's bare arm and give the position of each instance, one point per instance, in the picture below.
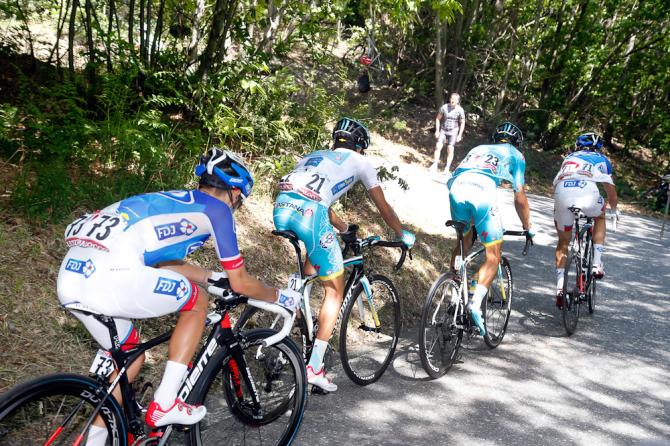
{"points": [[243, 283], [522, 207], [612, 197], [336, 221], [386, 211]]}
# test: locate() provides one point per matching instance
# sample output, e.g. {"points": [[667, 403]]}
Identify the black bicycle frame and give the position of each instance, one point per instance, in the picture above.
{"points": [[221, 336]]}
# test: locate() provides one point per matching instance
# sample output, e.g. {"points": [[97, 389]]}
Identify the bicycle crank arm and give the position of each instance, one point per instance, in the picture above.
{"points": [[366, 328]]}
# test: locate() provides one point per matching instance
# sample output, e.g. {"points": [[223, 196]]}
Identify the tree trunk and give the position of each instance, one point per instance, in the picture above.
{"points": [[157, 32], [110, 24], [70, 38], [131, 23], [215, 31], [192, 52], [147, 37], [439, 66], [142, 24]]}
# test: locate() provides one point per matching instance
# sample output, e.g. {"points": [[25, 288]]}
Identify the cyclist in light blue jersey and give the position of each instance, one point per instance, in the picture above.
{"points": [[472, 197]]}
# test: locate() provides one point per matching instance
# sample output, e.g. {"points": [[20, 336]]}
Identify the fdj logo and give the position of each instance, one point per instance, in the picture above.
{"points": [[171, 287], [83, 267], [184, 227]]}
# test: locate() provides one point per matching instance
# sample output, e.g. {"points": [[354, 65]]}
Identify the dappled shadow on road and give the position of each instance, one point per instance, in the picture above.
{"points": [[606, 384]]}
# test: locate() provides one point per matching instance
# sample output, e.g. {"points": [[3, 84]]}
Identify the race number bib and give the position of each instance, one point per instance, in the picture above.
{"points": [[103, 364], [486, 161], [92, 230]]}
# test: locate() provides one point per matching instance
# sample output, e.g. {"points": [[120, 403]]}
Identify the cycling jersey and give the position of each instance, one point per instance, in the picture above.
{"points": [[501, 162], [109, 266], [159, 227], [326, 175], [587, 166]]}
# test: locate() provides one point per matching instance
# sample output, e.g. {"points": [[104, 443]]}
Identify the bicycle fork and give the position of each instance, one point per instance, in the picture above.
{"points": [[373, 310]]}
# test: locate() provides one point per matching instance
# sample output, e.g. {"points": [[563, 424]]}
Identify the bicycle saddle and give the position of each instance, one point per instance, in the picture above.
{"points": [[81, 308], [287, 235], [459, 226]]}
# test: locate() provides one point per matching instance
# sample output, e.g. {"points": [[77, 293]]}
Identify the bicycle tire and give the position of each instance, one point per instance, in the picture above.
{"points": [[446, 336], [570, 311], [26, 418], [366, 349], [351, 57], [591, 291], [498, 305], [253, 317], [283, 393]]}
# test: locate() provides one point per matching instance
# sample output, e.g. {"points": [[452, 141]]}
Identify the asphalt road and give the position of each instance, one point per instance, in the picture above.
{"points": [[607, 384]]}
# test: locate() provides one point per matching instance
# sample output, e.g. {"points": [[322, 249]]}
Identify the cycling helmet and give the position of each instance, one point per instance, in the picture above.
{"points": [[351, 134], [589, 141], [509, 133], [224, 170]]}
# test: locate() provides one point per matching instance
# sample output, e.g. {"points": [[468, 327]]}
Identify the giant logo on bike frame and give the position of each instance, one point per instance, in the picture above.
{"points": [[171, 287], [169, 230], [84, 267]]}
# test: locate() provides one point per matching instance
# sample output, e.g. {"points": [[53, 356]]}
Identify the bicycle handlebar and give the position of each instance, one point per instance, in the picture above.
{"points": [[229, 297], [529, 239], [394, 244]]}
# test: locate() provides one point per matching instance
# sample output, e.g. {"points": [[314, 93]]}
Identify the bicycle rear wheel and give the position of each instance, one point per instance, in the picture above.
{"points": [[498, 305], [53, 410], [278, 375], [591, 281], [571, 304], [439, 337], [370, 330]]}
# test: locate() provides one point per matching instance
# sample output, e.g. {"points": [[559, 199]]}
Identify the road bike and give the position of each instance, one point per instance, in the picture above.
{"points": [[253, 384], [367, 59], [445, 318], [369, 319]]}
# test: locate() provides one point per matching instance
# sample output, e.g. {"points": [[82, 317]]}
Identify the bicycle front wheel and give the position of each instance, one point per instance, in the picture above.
{"points": [[439, 335], [571, 302], [370, 329], [591, 282], [53, 410], [498, 305], [278, 375]]}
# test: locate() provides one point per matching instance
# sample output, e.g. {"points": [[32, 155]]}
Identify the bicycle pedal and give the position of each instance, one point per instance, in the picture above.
{"points": [[316, 390]]}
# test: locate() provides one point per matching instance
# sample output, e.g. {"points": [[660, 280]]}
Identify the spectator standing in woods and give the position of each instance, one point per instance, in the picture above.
{"points": [[449, 127]]}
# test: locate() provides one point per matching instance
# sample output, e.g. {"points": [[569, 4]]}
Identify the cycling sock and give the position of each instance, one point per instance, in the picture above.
{"points": [[480, 292], [560, 275], [172, 379], [597, 254], [97, 436], [318, 351]]}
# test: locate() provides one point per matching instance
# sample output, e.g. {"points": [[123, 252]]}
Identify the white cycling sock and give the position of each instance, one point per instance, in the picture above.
{"points": [[560, 276], [478, 297], [97, 436], [172, 379], [318, 351], [597, 254]]}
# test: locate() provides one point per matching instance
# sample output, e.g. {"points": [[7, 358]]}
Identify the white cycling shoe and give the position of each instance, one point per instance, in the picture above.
{"points": [[598, 271], [320, 380], [178, 413]]}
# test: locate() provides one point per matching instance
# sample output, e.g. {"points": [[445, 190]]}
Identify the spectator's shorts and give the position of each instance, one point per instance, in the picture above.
{"points": [[449, 137]]}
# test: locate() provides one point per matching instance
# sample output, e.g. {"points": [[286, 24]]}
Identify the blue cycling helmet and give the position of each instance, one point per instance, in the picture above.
{"points": [[509, 133], [589, 141], [351, 134], [224, 170]]}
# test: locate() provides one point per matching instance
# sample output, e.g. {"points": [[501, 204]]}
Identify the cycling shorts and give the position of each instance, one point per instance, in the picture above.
{"points": [[121, 287], [309, 220], [450, 138], [578, 193], [472, 197]]}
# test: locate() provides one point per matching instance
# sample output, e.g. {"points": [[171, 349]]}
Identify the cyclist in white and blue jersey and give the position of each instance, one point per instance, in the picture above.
{"points": [[303, 206], [576, 184], [126, 261], [472, 197]]}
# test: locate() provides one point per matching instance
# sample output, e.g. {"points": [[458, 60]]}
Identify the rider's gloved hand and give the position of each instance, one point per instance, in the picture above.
{"points": [[288, 299], [349, 236], [531, 232], [407, 238]]}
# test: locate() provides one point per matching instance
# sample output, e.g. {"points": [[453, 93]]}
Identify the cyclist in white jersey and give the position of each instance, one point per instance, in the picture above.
{"points": [[576, 185], [472, 197], [303, 207], [126, 261]]}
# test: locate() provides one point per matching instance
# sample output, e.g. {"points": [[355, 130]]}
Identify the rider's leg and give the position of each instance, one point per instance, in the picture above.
{"points": [[561, 256], [598, 244]]}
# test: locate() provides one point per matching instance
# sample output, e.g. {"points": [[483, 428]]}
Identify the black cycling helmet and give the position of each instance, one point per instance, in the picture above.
{"points": [[509, 133], [351, 134], [589, 141], [224, 170]]}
